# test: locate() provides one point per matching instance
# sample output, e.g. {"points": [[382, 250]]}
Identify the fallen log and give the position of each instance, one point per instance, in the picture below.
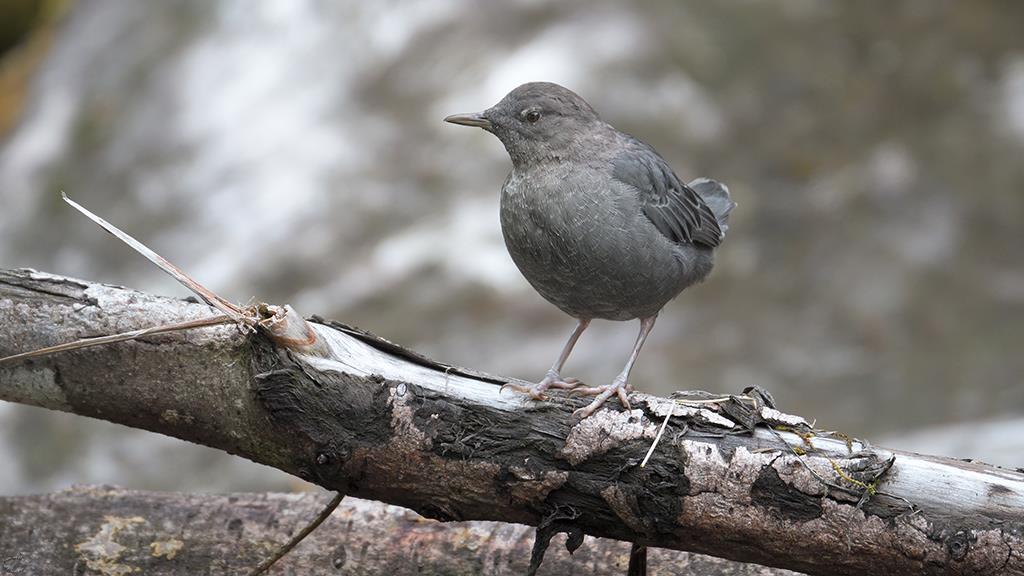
{"points": [[109, 530], [730, 476]]}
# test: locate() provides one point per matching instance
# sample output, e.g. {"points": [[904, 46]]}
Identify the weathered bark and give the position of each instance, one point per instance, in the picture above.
{"points": [[113, 531], [360, 415]]}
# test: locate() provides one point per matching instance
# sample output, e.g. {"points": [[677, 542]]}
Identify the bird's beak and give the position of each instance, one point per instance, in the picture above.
{"points": [[475, 119]]}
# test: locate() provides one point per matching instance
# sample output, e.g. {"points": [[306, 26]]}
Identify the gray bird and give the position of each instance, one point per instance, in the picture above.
{"points": [[596, 220]]}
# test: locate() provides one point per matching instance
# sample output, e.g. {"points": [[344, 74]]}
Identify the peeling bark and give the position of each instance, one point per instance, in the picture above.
{"points": [[376, 421]]}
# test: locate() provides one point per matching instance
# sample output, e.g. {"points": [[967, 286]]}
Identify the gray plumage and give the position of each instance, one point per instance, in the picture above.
{"points": [[595, 219]]}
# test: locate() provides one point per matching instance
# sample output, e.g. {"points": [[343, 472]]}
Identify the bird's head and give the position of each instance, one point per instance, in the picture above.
{"points": [[536, 121]]}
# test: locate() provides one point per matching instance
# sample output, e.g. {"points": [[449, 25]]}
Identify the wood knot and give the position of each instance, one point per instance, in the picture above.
{"points": [[959, 544]]}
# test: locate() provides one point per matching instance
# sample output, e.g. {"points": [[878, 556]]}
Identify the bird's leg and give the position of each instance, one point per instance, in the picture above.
{"points": [[553, 378], [620, 386]]}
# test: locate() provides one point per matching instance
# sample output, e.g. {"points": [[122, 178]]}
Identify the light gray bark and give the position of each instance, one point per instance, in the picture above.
{"points": [[358, 414]]}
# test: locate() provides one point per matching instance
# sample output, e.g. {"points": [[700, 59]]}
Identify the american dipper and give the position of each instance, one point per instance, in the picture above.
{"points": [[596, 220]]}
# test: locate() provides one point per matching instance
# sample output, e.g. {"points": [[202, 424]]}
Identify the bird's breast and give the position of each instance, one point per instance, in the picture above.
{"points": [[583, 243]]}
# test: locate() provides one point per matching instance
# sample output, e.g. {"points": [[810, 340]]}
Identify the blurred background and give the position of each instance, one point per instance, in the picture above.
{"points": [[293, 151]]}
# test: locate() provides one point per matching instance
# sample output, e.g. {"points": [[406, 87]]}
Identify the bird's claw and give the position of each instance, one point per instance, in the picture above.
{"points": [[522, 389], [617, 388], [551, 380]]}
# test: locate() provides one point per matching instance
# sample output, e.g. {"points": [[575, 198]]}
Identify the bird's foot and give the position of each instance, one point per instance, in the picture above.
{"points": [[619, 388], [551, 380]]}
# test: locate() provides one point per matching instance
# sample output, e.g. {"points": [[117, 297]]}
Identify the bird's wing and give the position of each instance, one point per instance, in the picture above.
{"points": [[674, 208]]}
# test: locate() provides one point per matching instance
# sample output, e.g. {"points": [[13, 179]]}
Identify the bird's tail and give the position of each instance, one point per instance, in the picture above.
{"points": [[716, 196]]}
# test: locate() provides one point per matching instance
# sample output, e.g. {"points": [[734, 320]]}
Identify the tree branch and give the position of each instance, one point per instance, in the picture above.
{"points": [[360, 415]]}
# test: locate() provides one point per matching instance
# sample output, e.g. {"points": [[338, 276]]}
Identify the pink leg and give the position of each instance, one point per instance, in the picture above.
{"points": [[553, 379], [620, 386]]}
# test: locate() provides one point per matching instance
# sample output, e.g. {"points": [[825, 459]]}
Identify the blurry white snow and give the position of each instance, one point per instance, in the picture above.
{"points": [[256, 122], [999, 442], [891, 170], [1013, 96], [465, 242], [44, 134], [555, 56]]}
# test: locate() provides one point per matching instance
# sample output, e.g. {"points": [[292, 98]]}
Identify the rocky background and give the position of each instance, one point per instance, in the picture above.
{"points": [[293, 151]]}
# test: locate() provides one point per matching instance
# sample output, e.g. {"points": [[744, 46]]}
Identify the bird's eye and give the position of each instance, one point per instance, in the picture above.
{"points": [[532, 116]]}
